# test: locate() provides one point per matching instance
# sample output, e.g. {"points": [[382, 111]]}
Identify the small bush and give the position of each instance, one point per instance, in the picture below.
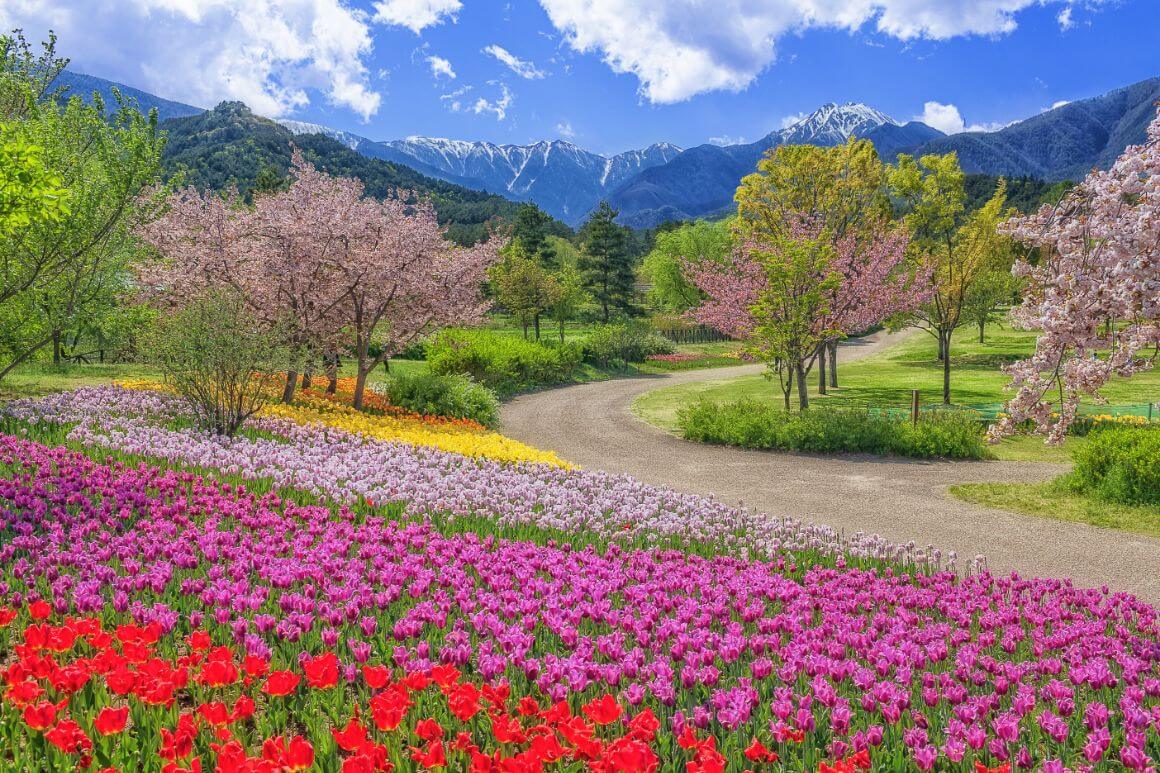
{"points": [[624, 342], [1120, 465], [750, 424], [505, 363], [451, 395]]}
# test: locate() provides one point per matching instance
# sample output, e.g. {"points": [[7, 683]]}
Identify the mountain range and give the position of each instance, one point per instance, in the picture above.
{"points": [[663, 182]]}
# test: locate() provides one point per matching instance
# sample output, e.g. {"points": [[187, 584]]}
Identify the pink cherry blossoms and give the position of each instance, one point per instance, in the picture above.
{"points": [[1095, 292]]}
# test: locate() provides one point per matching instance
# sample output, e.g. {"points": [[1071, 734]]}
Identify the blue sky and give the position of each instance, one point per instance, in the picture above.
{"points": [[607, 74]]}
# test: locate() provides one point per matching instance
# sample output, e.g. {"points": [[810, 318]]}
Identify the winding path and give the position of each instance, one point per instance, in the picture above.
{"points": [[901, 499]]}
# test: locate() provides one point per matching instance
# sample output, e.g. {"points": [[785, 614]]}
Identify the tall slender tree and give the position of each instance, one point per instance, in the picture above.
{"points": [[605, 262]]}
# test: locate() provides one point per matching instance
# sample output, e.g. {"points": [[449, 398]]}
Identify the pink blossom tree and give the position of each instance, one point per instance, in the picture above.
{"points": [[404, 279], [859, 280], [1095, 292]]}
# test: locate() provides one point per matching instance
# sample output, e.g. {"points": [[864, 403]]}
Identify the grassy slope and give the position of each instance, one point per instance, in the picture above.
{"points": [[885, 379], [1053, 500]]}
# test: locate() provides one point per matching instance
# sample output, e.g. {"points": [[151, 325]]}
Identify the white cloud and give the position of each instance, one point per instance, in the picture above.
{"points": [[679, 49], [454, 99], [726, 139], [520, 67], [1060, 103], [1064, 19], [790, 120], [565, 130], [497, 107], [416, 15], [266, 53], [948, 119], [440, 66]]}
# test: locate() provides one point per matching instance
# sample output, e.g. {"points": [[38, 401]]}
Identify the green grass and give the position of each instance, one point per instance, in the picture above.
{"points": [[1055, 500], [885, 380]]}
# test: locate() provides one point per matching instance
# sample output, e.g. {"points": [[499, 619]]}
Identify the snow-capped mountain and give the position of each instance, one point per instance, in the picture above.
{"points": [[562, 178], [352, 141], [832, 124]]}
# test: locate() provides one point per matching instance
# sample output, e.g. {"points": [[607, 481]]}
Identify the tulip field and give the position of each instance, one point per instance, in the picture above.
{"points": [[317, 593]]}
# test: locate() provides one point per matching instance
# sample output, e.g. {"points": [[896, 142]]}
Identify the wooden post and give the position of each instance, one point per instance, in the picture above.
{"points": [[914, 407]]}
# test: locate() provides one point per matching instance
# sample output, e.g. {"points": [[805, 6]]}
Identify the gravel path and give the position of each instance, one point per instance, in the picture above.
{"points": [[901, 499]]}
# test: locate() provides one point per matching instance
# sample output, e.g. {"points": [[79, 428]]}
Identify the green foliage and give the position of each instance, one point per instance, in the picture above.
{"points": [[505, 363], [210, 352], [605, 262], [452, 395], [63, 274], [1025, 194], [30, 192], [624, 342], [532, 227], [750, 424], [523, 286], [230, 146], [669, 290], [1120, 465]]}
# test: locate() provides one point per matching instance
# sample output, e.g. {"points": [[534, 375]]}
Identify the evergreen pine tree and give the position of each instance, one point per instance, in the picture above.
{"points": [[605, 263]]}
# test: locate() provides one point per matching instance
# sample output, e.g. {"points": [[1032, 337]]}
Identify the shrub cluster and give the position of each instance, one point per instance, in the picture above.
{"points": [[507, 364], [1120, 464], [624, 342], [750, 424], [452, 395]]}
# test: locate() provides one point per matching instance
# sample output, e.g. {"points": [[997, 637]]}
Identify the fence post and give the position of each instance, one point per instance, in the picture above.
{"points": [[914, 407]]}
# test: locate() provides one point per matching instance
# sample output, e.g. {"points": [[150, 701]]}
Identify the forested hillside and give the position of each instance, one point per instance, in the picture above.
{"points": [[230, 146]]}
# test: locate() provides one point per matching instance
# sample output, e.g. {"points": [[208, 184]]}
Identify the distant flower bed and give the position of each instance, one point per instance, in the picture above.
{"points": [[384, 421], [677, 357]]}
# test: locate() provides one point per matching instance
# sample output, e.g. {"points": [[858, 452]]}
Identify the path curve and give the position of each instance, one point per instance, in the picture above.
{"points": [[901, 499]]}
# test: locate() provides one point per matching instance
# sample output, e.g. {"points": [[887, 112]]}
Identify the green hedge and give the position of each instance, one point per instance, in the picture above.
{"points": [[750, 424], [505, 363], [1120, 465], [451, 395], [624, 342]]}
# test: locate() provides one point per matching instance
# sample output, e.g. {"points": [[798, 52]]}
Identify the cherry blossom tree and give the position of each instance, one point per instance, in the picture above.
{"points": [[1095, 292], [405, 279], [844, 287]]}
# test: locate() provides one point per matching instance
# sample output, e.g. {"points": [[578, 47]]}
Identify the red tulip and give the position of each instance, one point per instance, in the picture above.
{"points": [[68, 737], [603, 711], [111, 721], [377, 677], [243, 709], [758, 752], [444, 675], [463, 701], [431, 756], [39, 610], [41, 716], [214, 713], [322, 671], [428, 730], [629, 755], [281, 683], [6, 617], [353, 738], [297, 754]]}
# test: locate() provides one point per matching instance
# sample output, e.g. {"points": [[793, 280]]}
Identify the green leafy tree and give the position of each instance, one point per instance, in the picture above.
{"points": [[533, 227], [30, 192], [209, 351], [605, 263], [986, 299], [570, 296], [957, 248], [523, 286], [58, 269], [670, 290]]}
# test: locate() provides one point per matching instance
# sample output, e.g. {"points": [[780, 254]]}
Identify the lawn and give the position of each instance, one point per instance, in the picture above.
{"points": [[1054, 500], [885, 380]]}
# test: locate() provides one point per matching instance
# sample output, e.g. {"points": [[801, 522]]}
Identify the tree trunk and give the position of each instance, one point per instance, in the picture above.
{"points": [[833, 355], [982, 325], [561, 330], [56, 347], [307, 377], [291, 384], [360, 385], [787, 390], [945, 345], [942, 351], [604, 307], [536, 325], [822, 347], [525, 324], [803, 390]]}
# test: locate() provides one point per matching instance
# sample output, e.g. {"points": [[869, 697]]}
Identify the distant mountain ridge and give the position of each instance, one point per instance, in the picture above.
{"points": [[663, 182], [79, 84], [701, 181]]}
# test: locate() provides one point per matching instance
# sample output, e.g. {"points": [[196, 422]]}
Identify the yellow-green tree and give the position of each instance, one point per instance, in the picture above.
{"points": [[958, 248], [30, 192], [523, 286]]}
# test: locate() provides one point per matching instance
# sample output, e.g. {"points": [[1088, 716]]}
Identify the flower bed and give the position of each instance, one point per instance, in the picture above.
{"points": [[818, 663], [387, 422], [345, 467]]}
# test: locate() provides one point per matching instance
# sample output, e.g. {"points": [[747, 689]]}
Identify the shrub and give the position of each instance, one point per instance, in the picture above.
{"points": [[1120, 464], [750, 424], [624, 342], [209, 353], [452, 395], [505, 363]]}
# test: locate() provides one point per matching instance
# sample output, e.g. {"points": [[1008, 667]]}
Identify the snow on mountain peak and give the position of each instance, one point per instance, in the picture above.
{"points": [[832, 123]]}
